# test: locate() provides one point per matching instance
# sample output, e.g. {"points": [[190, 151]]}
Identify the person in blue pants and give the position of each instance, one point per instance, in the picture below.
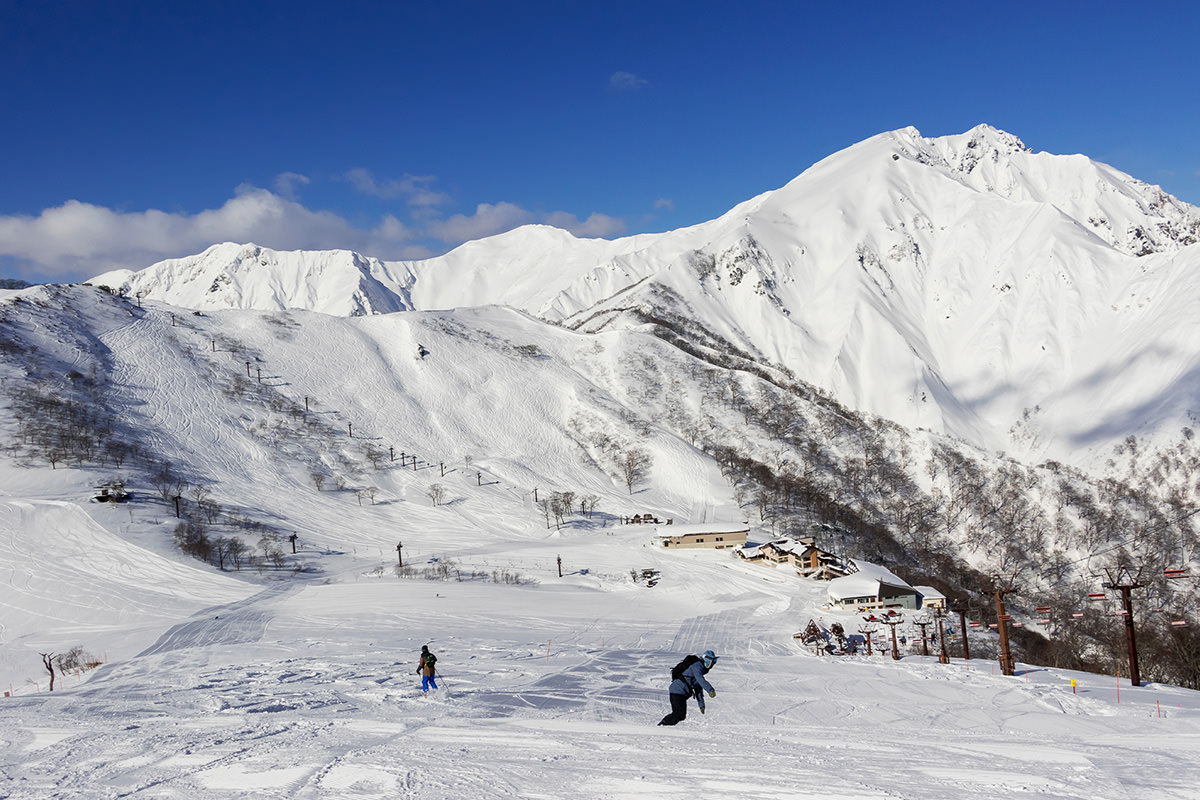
{"points": [[426, 669], [690, 683]]}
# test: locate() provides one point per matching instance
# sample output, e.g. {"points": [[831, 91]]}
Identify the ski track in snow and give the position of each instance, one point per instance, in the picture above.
{"points": [[302, 686], [225, 705]]}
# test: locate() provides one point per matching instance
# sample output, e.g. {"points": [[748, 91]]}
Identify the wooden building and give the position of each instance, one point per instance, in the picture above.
{"points": [[716, 536], [803, 555]]}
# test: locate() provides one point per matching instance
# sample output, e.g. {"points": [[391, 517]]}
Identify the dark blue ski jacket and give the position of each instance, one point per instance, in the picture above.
{"points": [[692, 683]]}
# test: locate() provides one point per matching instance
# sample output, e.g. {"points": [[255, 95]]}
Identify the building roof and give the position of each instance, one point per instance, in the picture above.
{"points": [[785, 545], [866, 581], [929, 593], [790, 546], [673, 531]]}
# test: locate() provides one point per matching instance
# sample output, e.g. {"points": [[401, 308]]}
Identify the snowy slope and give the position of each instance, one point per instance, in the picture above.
{"points": [[67, 576], [963, 284], [553, 690], [295, 679]]}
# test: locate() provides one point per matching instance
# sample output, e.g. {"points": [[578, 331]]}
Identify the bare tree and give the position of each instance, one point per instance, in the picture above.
{"points": [[235, 549], [211, 510], [48, 659], [317, 476], [271, 551], [560, 504], [589, 504], [168, 484], [192, 538], [219, 552], [437, 493], [75, 660], [635, 465]]}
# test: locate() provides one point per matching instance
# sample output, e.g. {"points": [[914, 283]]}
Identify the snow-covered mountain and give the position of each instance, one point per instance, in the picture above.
{"points": [[284, 667], [321, 474], [1035, 303]]}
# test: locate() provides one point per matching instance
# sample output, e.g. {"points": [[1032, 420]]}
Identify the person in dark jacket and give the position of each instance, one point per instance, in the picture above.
{"points": [[426, 668], [691, 684]]}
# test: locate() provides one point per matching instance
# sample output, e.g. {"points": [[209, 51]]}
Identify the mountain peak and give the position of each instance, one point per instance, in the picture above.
{"points": [[907, 275], [964, 152], [984, 135]]}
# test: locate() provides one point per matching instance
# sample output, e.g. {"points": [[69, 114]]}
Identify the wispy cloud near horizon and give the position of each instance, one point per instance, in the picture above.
{"points": [[78, 240]]}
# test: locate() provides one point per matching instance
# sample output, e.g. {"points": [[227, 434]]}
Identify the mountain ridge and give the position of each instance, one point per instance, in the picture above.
{"points": [[964, 283]]}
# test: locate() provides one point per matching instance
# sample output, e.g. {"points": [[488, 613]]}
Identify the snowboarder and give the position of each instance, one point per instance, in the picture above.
{"points": [[688, 681], [426, 669]]}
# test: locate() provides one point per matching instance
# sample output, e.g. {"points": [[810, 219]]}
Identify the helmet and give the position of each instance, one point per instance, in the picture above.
{"points": [[709, 658]]}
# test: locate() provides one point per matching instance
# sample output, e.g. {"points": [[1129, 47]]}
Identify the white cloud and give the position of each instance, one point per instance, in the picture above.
{"points": [[414, 188], [286, 183], [394, 230], [77, 240], [626, 81], [596, 225], [664, 203], [487, 220]]}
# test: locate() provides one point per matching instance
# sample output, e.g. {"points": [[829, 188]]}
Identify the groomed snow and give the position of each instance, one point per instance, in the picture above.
{"points": [[308, 690], [302, 685]]}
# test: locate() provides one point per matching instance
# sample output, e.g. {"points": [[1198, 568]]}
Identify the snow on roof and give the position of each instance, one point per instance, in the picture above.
{"points": [[865, 581], [781, 544], [929, 593], [668, 531], [789, 545]]}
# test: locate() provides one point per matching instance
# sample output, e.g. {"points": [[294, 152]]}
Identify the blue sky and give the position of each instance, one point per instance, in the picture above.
{"points": [[136, 131]]}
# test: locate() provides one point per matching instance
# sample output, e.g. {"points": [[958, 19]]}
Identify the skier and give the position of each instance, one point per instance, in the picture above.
{"points": [[688, 681], [426, 669]]}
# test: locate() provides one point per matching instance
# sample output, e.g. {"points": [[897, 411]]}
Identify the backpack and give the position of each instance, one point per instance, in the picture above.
{"points": [[678, 670], [430, 659]]}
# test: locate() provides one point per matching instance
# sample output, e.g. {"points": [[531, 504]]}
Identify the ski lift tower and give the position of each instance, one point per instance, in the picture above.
{"points": [[1125, 582]]}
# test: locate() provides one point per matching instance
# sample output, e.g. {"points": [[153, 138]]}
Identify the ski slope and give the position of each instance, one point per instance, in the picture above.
{"points": [[553, 690], [298, 680], [66, 576]]}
